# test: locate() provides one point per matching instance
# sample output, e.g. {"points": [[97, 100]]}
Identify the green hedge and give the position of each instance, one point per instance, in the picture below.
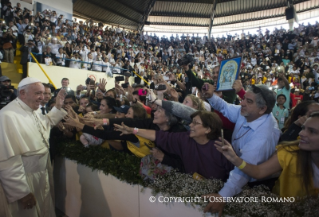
{"points": [[123, 166], [126, 168]]}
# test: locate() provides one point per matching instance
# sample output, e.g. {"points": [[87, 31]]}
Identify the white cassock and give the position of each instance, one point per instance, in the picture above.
{"points": [[24, 160]]}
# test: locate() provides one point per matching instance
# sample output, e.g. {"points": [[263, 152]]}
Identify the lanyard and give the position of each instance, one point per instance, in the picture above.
{"points": [[242, 134]]}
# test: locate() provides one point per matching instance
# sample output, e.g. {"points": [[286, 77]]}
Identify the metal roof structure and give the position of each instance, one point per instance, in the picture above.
{"points": [[187, 15]]}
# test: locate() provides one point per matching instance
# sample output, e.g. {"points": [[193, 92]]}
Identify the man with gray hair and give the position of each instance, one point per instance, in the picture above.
{"points": [[26, 186], [254, 139]]}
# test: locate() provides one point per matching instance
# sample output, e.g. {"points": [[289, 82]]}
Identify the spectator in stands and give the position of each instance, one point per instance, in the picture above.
{"points": [[284, 88], [8, 39], [279, 111], [28, 48], [65, 85]]}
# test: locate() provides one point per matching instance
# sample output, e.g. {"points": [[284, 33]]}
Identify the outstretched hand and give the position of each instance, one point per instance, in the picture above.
{"points": [[96, 123], [123, 128], [60, 99], [102, 84], [70, 121], [226, 149], [71, 112]]}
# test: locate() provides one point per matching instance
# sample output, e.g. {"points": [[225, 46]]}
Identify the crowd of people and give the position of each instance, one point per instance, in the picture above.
{"points": [[264, 131]]}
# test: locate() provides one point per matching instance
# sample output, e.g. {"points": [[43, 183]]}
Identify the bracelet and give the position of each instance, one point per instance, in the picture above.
{"points": [[135, 130], [104, 121], [242, 165]]}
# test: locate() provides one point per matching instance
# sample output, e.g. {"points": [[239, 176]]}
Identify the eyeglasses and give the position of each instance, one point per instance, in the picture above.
{"points": [[195, 123], [258, 90]]}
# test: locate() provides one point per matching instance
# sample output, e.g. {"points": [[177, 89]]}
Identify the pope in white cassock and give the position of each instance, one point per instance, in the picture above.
{"points": [[26, 183]]}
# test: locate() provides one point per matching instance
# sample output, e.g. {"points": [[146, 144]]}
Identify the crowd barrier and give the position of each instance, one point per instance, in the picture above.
{"points": [[80, 191]]}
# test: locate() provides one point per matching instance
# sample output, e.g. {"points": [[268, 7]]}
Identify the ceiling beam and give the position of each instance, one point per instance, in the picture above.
{"points": [[251, 10], [212, 15], [124, 3], [111, 11], [195, 1], [262, 18], [145, 15], [178, 24], [172, 14], [77, 14]]}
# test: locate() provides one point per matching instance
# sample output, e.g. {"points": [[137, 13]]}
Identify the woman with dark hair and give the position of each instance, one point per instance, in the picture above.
{"points": [[106, 110], [298, 116], [136, 111], [195, 147], [298, 162]]}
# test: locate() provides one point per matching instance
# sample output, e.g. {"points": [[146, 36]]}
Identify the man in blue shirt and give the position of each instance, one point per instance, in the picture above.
{"points": [[254, 138]]}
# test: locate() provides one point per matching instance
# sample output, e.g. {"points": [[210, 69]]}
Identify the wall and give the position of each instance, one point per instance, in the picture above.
{"points": [[79, 191], [63, 5], [23, 4], [76, 76]]}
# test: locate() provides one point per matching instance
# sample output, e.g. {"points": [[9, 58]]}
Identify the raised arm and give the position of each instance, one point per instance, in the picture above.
{"points": [[178, 109], [147, 134], [260, 171], [230, 111]]}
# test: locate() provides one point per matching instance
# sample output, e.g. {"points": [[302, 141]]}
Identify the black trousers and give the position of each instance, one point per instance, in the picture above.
{"points": [[24, 70]]}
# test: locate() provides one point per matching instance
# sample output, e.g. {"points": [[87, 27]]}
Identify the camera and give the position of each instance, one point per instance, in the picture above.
{"points": [[5, 95], [142, 92], [187, 59], [205, 87]]}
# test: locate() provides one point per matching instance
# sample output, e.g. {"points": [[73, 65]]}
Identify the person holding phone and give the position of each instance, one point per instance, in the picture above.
{"points": [[25, 55], [255, 136], [65, 86]]}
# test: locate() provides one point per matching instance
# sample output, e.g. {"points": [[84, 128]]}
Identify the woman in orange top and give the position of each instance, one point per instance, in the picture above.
{"points": [[298, 162]]}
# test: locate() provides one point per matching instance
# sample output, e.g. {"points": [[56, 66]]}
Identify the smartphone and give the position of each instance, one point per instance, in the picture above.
{"points": [[66, 90], [125, 85], [160, 87], [119, 78]]}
